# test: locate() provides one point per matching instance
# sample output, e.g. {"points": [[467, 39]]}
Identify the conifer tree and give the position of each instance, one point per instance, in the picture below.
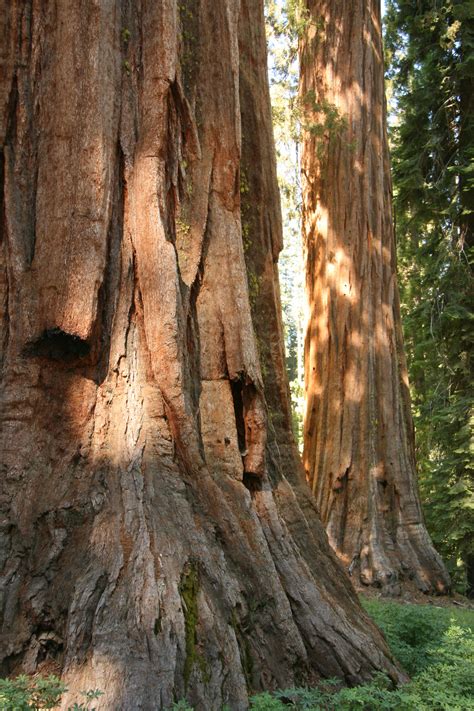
{"points": [[431, 71], [358, 433]]}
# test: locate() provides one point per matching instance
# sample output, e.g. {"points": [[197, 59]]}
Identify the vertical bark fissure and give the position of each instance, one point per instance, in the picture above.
{"points": [[4, 291], [121, 467], [356, 384]]}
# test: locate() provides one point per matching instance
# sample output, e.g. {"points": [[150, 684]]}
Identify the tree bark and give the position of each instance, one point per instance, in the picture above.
{"points": [[152, 545], [359, 441]]}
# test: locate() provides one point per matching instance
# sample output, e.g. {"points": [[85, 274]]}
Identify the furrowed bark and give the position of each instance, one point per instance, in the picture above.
{"points": [[153, 546], [359, 441]]}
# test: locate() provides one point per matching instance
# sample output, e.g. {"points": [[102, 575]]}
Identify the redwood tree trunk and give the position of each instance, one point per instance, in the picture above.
{"points": [[359, 440], [152, 545]]}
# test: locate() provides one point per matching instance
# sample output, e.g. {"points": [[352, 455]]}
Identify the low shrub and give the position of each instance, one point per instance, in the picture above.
{"points": [[434, 645], [24, 693]]}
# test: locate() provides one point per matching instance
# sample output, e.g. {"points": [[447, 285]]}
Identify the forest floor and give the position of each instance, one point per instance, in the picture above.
{"points": [[432, 638], [413, 596]]}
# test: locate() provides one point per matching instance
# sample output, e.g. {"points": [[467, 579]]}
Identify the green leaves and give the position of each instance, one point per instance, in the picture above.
{"points": [[23, 693], [31, 694]]}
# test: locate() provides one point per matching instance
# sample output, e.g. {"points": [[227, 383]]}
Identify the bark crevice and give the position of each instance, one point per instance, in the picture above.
{"points": [[365, 483], [132, 535]]}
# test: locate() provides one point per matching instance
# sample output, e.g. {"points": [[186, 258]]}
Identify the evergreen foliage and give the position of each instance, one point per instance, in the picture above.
{"points": [[431, 73]]}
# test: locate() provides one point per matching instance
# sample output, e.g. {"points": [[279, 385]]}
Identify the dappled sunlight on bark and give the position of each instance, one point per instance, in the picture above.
{"points": [[156, 548], [359, 446]]}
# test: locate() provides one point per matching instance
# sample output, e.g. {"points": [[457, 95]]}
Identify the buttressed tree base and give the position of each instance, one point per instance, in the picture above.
{"points": [[158, 541], [365, 482]]}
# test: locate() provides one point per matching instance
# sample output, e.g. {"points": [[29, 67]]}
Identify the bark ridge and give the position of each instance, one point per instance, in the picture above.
{"points": [[357, 395], [153, 545]]}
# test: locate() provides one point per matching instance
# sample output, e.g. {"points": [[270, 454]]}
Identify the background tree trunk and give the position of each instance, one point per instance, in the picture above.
{"points": [[359, 440], [152, 546]]}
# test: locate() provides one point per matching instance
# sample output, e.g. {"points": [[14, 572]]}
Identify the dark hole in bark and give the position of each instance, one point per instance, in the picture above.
{"points": [[58, 345], [253, 482], [354, 563], [248, 421], [11, 664], [237, 396], [50, 648]]}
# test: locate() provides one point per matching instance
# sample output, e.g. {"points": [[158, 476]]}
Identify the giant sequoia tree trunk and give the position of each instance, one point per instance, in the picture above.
{"points": [[151, 543], [359, 442]]}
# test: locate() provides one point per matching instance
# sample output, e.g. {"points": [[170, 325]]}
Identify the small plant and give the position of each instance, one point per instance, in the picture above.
{"points": [[181, 705], [24, 693], [323, 121], [265, 702], [90, 696]]}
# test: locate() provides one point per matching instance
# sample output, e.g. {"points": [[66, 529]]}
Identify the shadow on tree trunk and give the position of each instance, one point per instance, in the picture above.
{"points": [[155, 547]]}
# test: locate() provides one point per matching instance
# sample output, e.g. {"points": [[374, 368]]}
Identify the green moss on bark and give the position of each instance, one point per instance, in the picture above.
{"points": [[189, 590]]}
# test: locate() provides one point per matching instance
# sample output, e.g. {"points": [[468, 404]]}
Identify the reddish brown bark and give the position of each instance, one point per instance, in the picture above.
{"points": [[359, 442], [153, 545]]}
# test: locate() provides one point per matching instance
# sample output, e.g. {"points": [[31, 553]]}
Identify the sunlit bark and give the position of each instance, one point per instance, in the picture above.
{"points": [[359, 443], [152, 546]]}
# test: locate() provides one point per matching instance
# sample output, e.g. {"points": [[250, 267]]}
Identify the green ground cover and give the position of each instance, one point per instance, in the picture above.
{"points": [[434, 645]]}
